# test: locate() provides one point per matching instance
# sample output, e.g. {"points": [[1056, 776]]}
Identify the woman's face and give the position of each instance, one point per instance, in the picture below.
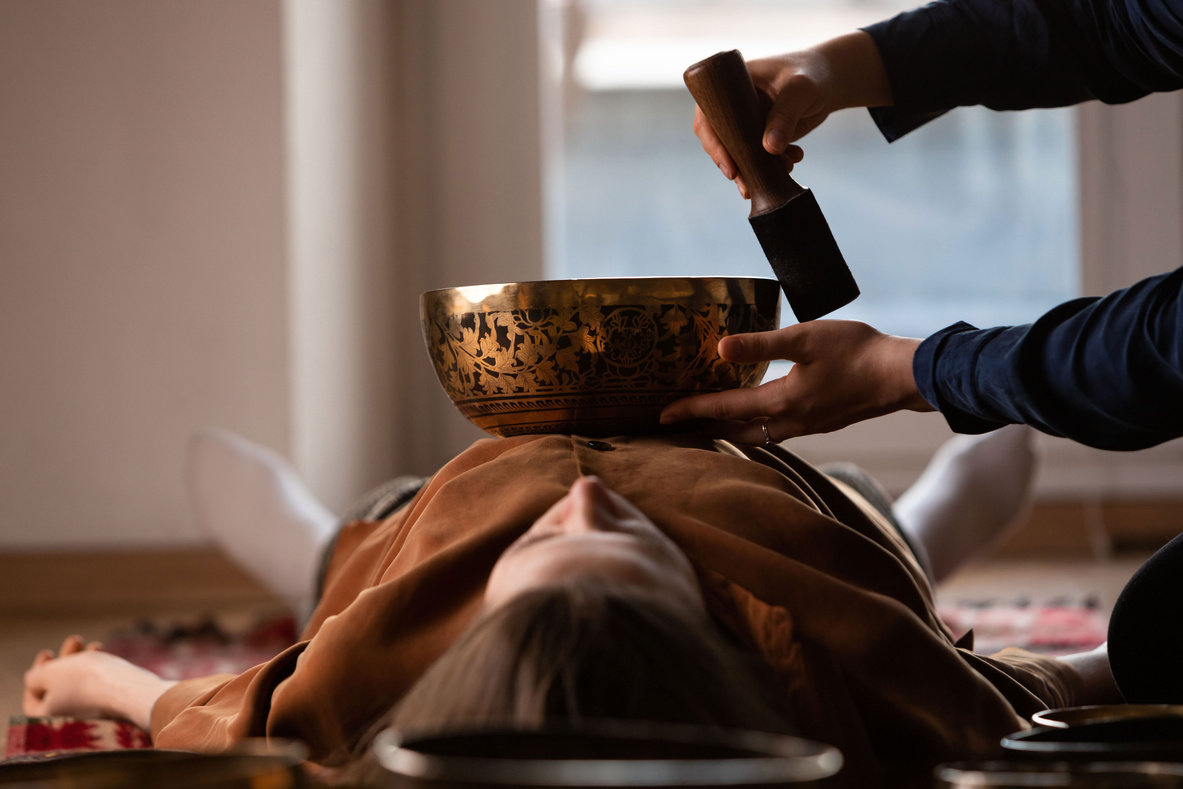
{"points": [[593, 531]]}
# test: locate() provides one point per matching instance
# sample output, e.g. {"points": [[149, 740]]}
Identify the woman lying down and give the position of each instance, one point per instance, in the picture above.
{"points": [[673, 578]]}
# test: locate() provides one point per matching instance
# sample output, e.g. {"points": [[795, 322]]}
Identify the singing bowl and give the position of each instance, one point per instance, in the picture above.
{"points": [[601, 754], [590, 356], [1154, 739], [1066, 717], [1084, 775], [241, 768]]}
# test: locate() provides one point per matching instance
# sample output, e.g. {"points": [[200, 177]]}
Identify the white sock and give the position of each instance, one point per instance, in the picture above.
{"points": [[974, 491], [255, 506]]}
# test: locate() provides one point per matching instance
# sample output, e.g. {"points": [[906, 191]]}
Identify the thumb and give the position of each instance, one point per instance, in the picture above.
{"points": [[796, 99], [32, 700], [789, 343]]}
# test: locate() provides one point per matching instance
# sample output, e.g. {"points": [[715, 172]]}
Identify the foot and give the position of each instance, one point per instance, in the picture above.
{"points": [[255, 506], [973, 494]]}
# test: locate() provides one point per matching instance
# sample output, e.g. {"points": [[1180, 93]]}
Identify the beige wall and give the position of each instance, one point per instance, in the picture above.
{"points": [[470, 204], [142, 270], [221, 212]]}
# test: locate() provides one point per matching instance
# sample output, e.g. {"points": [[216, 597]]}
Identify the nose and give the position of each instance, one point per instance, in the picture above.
{"points": [[591, 506]]}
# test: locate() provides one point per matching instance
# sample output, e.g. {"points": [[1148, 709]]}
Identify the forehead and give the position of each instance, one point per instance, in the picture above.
{"points": [[613, 557], [601, 551]]}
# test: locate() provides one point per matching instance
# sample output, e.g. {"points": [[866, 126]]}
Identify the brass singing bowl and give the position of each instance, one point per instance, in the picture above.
{"points": [[248, 765], [593, 357], [1153, 739], [1074, 775], [601, 754], [1066, 717]]}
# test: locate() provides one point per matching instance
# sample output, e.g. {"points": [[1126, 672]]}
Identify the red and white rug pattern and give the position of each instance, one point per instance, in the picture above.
{"points": [[174, 651], [1057, 627], [209, 647]]}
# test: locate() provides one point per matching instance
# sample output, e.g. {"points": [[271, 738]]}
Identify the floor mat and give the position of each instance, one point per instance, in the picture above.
{"points": [[1053, 627], [173, 650], [181, 650], [209, 646]]}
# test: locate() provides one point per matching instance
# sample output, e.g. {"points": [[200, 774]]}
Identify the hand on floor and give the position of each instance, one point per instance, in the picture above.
{"points": [[81, 681]]}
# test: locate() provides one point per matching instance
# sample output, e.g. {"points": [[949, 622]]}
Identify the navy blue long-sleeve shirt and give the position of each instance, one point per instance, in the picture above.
{"points": [[1105, 372], [1020, 54]]}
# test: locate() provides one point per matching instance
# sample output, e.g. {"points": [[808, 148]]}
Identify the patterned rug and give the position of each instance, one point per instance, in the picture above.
{"points": [[180, 650], [1054, 627], [209, 646], [174, 650]]}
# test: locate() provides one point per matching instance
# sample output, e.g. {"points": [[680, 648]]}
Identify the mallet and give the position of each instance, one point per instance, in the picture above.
{"points": [[785, 215]]}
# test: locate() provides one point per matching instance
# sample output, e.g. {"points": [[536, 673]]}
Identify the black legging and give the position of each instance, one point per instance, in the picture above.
{"points": [[1146, 630]]}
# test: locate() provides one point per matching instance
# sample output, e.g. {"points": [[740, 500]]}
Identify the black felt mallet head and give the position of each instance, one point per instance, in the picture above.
{"points": [[785, 215]]}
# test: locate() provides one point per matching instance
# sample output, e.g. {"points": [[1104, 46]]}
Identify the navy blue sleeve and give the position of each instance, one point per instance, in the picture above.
{"points": [[1107, 372], [1019, 54]]}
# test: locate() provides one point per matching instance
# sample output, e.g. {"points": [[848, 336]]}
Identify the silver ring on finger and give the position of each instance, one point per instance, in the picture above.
{"points": [[767, 436]]}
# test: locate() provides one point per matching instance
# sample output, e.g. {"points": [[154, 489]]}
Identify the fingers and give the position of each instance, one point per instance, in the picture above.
{"points": [[750, 431], [791, 343], [714, 146], [71, 645], [32, 703], [33, 699], [797, 98], [783, 126], [756, 430], [844, 372], [742, 405], [730, 406]]}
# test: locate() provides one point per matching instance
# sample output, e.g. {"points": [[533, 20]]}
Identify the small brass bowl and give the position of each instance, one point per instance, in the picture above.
{"points": [[1067, 717], [249, 765], [600, 754], [1149, 739], [1071, 775], [590, 356]]}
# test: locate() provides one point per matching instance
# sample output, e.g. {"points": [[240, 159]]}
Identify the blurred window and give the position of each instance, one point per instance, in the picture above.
{"points": [[973, 217]]}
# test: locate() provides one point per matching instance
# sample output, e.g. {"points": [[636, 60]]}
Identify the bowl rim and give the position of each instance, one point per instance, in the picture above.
{"points": [[672, 278], [790, 759], [1012, 769], [1066, 717], [1021, 741]]}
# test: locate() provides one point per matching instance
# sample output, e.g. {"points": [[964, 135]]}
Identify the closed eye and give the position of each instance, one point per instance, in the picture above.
{"points": [[526, 540]]}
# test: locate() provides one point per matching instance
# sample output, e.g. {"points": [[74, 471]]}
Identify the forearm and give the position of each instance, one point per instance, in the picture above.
{"points": [[1093, 667], [1104, 372], [134, 699], [859, 76], [1019, 54]]}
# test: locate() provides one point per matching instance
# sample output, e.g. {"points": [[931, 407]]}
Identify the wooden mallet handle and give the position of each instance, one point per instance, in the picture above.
{"points": [[727, 97]]}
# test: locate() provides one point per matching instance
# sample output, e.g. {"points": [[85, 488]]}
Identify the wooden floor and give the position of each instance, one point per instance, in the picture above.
{"points": [[1009, 578], [46, 597]]}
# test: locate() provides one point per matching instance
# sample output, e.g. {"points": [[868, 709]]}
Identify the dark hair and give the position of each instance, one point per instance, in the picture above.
{"points": [[588, 650]]}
